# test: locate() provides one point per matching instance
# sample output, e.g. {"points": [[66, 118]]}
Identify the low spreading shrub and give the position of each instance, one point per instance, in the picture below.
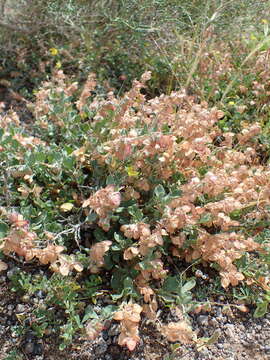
{"points": [[108, 193]]}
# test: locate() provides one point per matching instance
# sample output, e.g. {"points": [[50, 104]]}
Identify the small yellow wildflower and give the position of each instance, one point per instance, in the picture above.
{"points": [[58, 65], [53, 51], [131, 172], [231, 103], [84, 115], [253, 37], [264, 21]]}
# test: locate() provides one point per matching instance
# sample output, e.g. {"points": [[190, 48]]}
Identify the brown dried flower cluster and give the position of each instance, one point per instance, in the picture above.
{"points": [[97, 253], [234, 178], [104, 201], [178, 331], [51, 91], [129, 318], [22, 242], [86, 92]]}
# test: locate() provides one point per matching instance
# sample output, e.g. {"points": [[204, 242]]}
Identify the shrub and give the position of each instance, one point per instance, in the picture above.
{"points": [[120, 41], [120, 187]]}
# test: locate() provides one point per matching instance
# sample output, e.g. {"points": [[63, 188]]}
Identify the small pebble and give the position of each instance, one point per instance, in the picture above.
{"points": [[25, 298], [230, 331], [101, 349], [20, 308], [202, 320], [107, 357], [40, 294], [30, 337], [114, 351], [38, 349], [105, 335], [29, 348], [204, 352], [213, 322], [114, 330]]}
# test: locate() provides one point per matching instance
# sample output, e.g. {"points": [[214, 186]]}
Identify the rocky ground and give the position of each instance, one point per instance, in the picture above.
{"points": [[241, 337]]}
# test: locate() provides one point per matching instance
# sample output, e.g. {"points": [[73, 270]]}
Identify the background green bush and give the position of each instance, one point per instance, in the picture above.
{"points": [[119, 40]]}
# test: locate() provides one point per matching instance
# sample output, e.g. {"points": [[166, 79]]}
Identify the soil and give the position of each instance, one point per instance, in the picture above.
{"points": [[241, 337]]}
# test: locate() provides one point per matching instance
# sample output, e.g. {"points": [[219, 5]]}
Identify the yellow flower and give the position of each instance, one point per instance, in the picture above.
{"points": [[131, 172], [264, 21], [58, 65], [231, 103], [53, 51], [253, 37], [83, 115]]}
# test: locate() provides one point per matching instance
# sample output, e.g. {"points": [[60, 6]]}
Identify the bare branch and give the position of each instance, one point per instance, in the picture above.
{"points": [[3, 5], [15, 28]]}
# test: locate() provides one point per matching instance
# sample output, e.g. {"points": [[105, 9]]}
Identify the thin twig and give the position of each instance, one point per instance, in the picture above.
{"points": [[15, 28]]}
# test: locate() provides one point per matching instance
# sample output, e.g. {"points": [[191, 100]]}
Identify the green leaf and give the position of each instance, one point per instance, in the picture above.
{"points": [[100, 235], [167, 298], [62, 346], [175, 347], [69, 162], [115, 179], [121, 281], [135, 212], [110, 180], [117, 237], [188, 286], [159, 191], [117, 278], [178, 176], [89, 314], [145, 265], [175, 194], [78, 321], [3, 230], [128, 284], [116, 297], [108, 311], [205, 218], [171, 284], [261, 309], [91, 217], [173, 290], [40, 156], [116, 247], [236, 214]]}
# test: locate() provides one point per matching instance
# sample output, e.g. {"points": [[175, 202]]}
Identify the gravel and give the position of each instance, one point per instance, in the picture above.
{"points": [[242, 337]]}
